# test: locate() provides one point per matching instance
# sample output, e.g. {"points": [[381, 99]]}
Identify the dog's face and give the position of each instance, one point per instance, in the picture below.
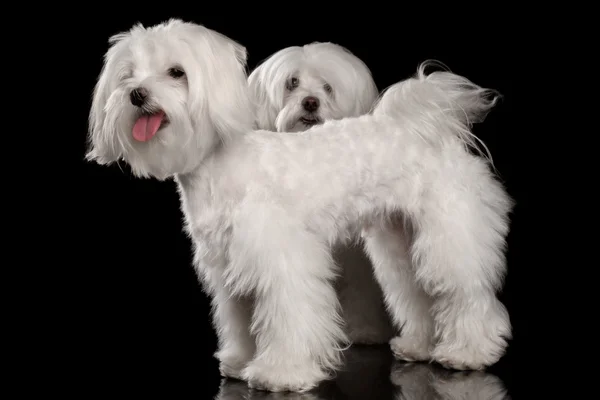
{"points": [[167, 96], [299, 87]]}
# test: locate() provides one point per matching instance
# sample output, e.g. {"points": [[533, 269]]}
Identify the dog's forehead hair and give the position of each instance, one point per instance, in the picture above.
{"points": [[336, 71], [153, 54], [310, 76], [338, 74]]}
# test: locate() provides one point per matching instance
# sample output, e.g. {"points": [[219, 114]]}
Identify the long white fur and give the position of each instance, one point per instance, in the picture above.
{"points": [[353, 93], [264, 209]]}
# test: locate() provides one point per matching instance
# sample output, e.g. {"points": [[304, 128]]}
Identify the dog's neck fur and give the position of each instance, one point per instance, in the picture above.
{"points": [[197, 189], [196, 186]]}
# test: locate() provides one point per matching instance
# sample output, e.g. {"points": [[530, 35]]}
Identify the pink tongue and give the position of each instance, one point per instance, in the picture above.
{"points": [[146, 126]]}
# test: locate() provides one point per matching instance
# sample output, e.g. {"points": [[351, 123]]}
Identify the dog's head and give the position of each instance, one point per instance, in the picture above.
{"points": [[298, 87], [167, 97]]}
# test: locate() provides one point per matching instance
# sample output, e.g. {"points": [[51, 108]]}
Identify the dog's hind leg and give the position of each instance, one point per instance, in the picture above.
{"points": [[387, 246], [458, 254], [296, 318]]}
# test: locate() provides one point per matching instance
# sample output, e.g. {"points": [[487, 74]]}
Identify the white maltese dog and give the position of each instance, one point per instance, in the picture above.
{"points": [[299, 87], [264, 209]]}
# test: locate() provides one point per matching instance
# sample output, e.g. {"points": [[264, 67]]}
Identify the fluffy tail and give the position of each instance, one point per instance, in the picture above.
{"points": [[444, 105]]}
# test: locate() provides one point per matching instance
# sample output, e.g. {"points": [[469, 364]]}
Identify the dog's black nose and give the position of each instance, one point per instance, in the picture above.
{"points": [[138, 96], [310, 103]]}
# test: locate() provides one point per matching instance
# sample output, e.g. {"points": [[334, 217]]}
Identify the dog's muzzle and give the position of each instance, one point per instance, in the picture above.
{"points": [[310, 103], [138, 96]]}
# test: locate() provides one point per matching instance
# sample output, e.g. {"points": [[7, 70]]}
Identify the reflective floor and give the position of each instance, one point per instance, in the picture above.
{"points": [[371, 374]]}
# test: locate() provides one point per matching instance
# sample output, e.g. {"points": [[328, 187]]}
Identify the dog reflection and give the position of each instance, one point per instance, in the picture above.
{"points": [[367, 376], [237, 390], [417, 381]]}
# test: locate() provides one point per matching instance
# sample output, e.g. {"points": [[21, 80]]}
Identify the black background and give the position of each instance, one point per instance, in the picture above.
{"points": [[140, 312]]}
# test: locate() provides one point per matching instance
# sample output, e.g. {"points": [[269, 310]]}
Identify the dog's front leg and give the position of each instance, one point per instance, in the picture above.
{"points": [[231, 312], [232, 317], [296, 318], [296, 323]]}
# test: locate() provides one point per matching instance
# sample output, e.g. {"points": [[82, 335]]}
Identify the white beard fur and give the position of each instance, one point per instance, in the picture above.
{"points": [[344, 87], [265, 209]]}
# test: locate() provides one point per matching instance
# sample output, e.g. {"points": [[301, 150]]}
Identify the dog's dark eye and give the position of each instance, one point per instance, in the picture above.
{"points": [[176, 73], [292, 83], [328, 88]]}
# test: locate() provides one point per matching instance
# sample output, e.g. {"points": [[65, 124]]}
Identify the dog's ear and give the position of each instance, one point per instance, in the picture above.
{"points": [[261, 92], [355, 90], [102, 139], [217, 83], [361, 84]]}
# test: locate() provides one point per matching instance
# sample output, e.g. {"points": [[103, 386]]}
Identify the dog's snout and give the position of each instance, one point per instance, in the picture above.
{"points": [[138, 96], [310, 103]]}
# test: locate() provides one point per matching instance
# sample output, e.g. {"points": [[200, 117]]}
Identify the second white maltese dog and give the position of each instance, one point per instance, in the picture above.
{"points": [[298, 87], [295, 89], [264, 209]]}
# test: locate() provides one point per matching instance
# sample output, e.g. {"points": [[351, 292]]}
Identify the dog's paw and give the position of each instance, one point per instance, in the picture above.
{"points": [[232, 362], [231, 371], [409, 348], [292, 377], [466, 358]]}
